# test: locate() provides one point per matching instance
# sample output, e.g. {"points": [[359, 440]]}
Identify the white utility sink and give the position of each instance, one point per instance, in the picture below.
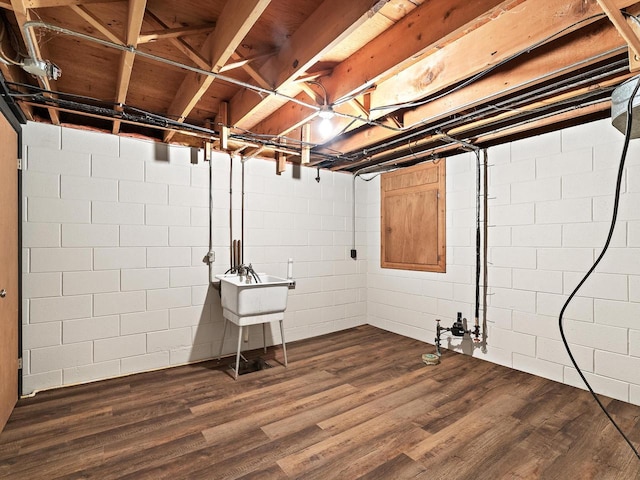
{"points": [[244, 300], [252, 303]]}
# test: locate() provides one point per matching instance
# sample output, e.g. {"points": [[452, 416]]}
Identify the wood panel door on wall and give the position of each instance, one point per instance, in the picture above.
{"points": [[8, 270], [412, 218]]}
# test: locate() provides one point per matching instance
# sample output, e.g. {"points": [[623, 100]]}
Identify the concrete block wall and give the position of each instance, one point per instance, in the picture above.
{"points": [[115, 231], [550, 201]]}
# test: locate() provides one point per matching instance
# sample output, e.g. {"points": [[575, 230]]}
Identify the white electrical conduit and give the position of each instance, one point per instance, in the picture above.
{"points": [[124, 48]]}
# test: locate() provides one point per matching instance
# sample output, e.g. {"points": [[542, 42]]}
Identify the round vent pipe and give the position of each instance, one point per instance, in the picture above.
{"points": [[619, 101]]}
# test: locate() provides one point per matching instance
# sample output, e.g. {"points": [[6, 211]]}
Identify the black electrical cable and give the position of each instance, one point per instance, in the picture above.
{"points": [[483, 73], [614, 217]]}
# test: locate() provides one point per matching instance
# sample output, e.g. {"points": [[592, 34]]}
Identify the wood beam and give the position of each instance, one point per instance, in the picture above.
{"points": [[247, 67], [62, 3], [180, 44], [622, 26], [464, 130], [96, 23], [238, 61], [330, 23], [306, 149], [23, 15], [13, 73], [223, 125], [413, 38], [535, 20], [406, 42], [235, 21], [591, 44], [585, 111], [134, 24], [164, 34], [281, 160]]}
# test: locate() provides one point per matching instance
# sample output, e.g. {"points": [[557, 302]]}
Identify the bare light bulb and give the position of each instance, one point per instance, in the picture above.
{"points": [[325, 128]]}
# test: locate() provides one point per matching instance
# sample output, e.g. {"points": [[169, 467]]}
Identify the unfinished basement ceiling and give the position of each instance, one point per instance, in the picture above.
{"points": [[405, 78]]}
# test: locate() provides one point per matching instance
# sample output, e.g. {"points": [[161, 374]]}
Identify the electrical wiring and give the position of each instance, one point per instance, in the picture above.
{"points": [[4, 58], [145, 117], [614, 217], [481, 74], [460, 86], [511, 104]]}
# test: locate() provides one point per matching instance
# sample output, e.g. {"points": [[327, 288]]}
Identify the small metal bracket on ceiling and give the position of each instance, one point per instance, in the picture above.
{"points": [[318, 175], [465, 145]]}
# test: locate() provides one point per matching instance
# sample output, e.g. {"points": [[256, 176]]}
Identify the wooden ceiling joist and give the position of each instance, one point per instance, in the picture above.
{"points": [[399, 46], [61, 3], [592, 44], [134, 24], [182, 46], [233, 25], [164, 34], [247, 67], [240, 62], [23, 15], [625, 31], [96, 23], [395, 65], [537, 21], [332, 21]]}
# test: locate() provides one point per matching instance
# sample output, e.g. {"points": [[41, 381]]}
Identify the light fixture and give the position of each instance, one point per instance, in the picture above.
{"points": [[326, 114]]}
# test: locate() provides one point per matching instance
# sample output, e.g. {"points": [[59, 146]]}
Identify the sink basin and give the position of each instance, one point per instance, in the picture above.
{"points": [[243, 299], [252, 303]]}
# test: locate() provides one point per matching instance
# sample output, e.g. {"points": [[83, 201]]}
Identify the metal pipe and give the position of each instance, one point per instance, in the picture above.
{"points": [[485, 236], [519, 99], [478, 193], [242, 216], [124, 48], [353, 216], [231, 241], [211, 253]]}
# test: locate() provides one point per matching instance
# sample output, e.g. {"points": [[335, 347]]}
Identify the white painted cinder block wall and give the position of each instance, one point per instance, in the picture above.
{"points": [[114, 234], [116, 228], [550, 201]]}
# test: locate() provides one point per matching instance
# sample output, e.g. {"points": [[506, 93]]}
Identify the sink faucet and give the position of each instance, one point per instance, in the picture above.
{"points": [[249, 272]]}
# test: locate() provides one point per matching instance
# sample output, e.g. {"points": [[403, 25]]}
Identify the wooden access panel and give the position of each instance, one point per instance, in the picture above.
{"points": [[8, 270], [413, 218]]}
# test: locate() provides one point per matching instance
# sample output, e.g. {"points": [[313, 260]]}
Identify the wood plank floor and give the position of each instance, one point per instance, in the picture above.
{"points": [[357, 404]]}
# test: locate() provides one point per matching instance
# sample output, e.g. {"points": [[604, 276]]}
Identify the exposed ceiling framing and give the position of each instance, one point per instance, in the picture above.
{"points": [[402, 77]]}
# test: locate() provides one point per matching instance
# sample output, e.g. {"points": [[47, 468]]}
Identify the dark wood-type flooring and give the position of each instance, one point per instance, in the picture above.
{"points": [[357, 404]]}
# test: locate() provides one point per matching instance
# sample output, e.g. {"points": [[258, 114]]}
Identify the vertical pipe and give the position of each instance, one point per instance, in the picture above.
{"points": [[353, 216], [485, 235], [477, 306], [242, 219], [207, 152], [231, 259]]}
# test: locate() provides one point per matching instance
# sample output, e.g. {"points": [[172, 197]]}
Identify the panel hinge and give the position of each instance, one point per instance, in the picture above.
{"points": [[20, 363], [19, 164]]}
